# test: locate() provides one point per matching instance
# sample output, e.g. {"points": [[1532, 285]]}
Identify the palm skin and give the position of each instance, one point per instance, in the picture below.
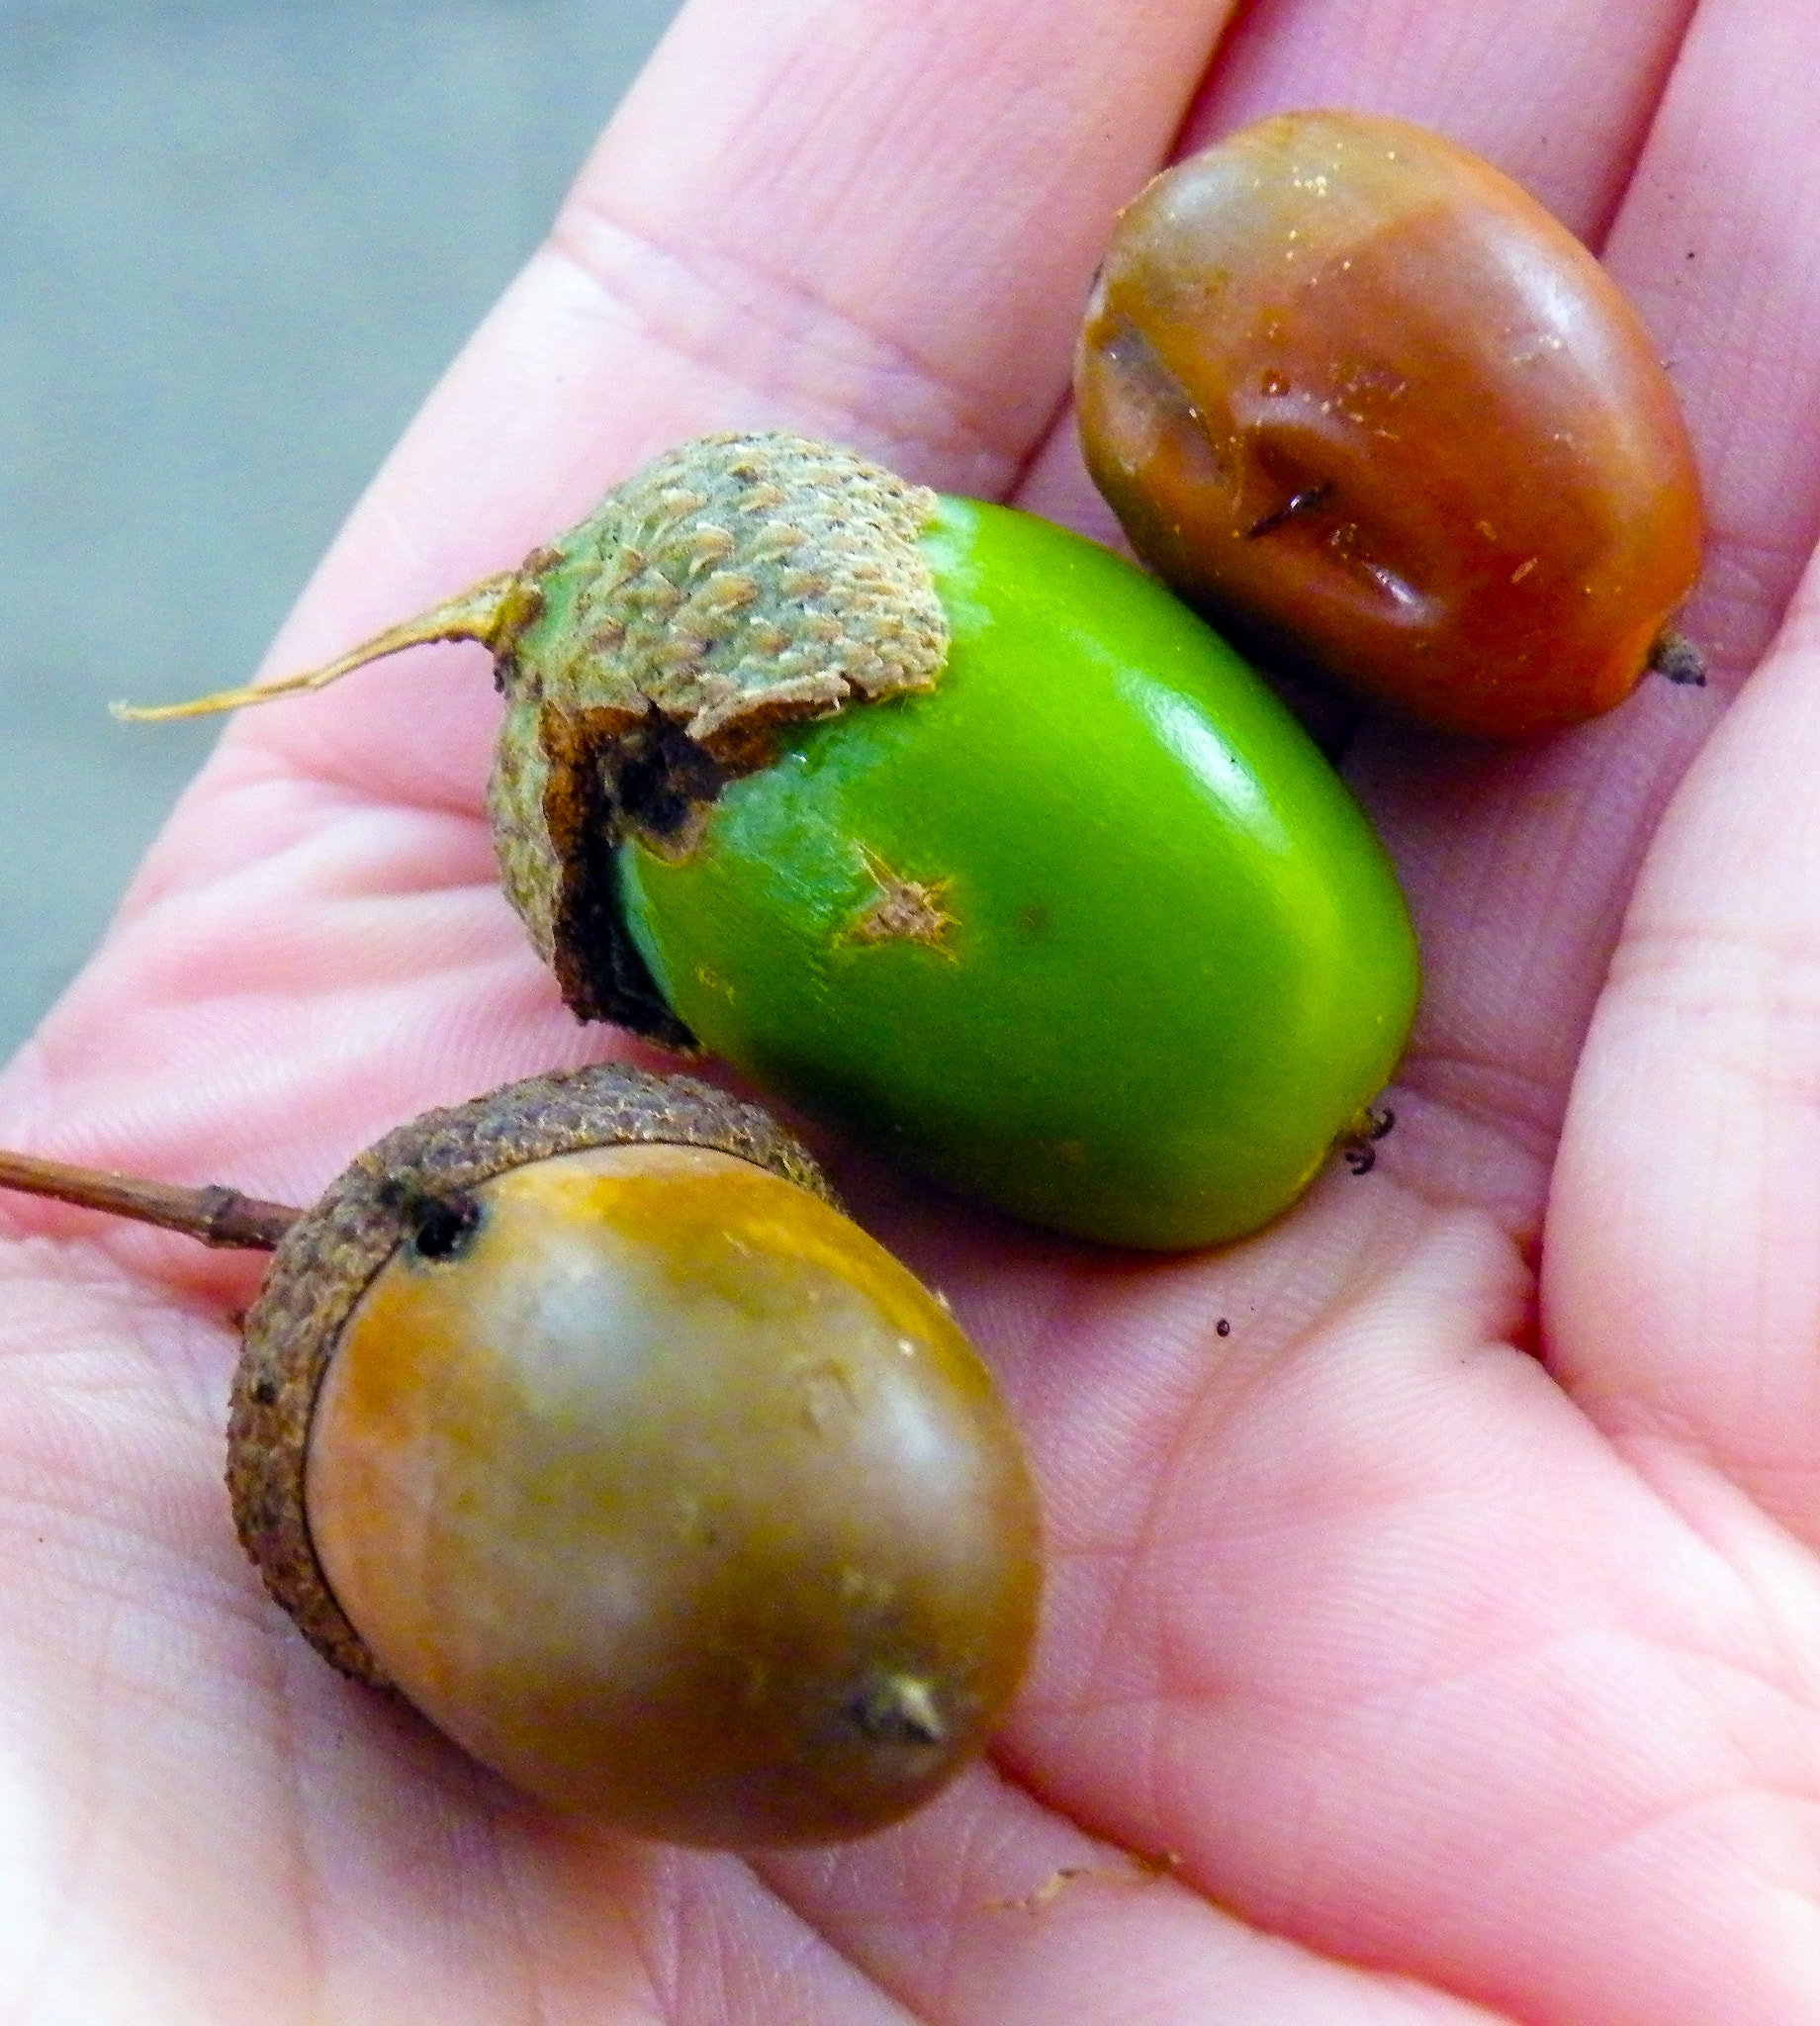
{"points": [[1453, 1621]]}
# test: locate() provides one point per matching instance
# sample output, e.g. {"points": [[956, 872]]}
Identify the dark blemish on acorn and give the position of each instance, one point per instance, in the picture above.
{"points": [[902, 910], [657, 785], [1298, 503], [445, 1228]]}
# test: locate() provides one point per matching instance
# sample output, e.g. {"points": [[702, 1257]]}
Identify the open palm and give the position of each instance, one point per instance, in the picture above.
{"points": [[1439, 1639]]}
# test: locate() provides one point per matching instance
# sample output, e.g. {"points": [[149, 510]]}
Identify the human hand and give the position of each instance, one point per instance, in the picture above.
{"points": [[1458, 1648]]}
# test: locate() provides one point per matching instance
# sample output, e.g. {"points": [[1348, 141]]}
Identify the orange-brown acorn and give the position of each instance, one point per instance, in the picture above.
{"points": [[1357, 396], [580, 1417]]}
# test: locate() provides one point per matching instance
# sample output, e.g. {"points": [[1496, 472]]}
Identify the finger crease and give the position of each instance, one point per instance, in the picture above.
{"points": [[789, 345]]}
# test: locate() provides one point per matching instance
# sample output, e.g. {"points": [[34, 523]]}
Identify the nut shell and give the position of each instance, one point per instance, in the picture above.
{"points": [[326, 1262]]}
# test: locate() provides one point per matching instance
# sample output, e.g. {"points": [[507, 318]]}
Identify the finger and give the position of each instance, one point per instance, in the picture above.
{"points": [[1682, 1301], [1682, 1297], [1520, 864], [853, 214]]}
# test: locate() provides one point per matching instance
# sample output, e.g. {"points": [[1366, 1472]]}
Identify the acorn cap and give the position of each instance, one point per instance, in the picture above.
{"points": [[420, 1173], [736, 585]]}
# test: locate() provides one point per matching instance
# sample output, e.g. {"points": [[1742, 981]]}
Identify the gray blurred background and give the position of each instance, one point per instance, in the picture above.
{"points": [[239, 241]]}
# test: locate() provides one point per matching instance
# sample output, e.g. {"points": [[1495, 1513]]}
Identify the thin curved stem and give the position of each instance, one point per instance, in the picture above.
{"points": [[215, 1215], [489, 612]]}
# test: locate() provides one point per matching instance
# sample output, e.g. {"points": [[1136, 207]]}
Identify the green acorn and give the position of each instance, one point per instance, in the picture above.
{"points": [[944, 824]]}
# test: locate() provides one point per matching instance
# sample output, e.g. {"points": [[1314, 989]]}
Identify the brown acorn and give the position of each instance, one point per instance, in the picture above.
{"points": [[581, 1418]]}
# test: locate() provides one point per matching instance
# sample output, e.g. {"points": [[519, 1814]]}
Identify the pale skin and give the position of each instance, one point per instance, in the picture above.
{"points": [[1452, 1622]]}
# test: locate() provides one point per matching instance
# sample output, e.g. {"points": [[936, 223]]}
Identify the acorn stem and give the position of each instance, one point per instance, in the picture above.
{"points": [[215, 1215], [489, 612]]}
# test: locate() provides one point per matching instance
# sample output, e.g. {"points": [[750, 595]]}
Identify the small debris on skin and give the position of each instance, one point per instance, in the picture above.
{"points": [[1360, 1147], [1141, 1871]]}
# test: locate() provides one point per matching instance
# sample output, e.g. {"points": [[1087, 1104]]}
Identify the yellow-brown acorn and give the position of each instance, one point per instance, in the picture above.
{"points": [[581, 1418]]}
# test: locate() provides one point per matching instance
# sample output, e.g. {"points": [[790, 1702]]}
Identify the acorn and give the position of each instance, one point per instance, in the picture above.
{"points": [[1357, 396], [580, 1418], [943, 824]]}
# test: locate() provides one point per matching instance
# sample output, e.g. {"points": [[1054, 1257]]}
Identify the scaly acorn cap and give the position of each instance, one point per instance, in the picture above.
{"points": [[734, 584], [402, 1185]]}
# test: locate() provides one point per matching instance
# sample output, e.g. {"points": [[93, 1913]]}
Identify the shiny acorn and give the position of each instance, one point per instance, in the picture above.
{"points": [[944, 824], [1359, 398], [579, 1417]]}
